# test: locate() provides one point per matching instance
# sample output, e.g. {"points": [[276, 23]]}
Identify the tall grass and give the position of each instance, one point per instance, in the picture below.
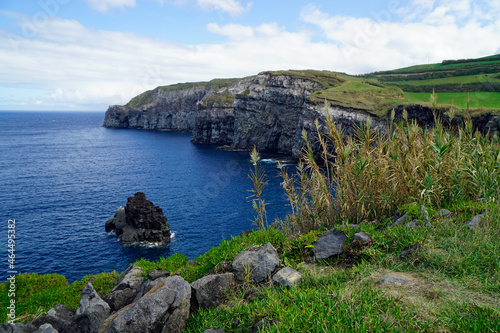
{"points": [[370, 174]]}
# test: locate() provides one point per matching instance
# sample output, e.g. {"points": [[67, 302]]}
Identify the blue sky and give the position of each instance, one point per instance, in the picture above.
{"points": [[88, 54]]}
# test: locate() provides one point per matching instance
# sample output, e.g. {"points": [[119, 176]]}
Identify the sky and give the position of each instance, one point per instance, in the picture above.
{"points": [[89, 54]]}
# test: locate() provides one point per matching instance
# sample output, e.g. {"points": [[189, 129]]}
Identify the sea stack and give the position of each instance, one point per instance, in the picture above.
{"points": [[139, 222]]}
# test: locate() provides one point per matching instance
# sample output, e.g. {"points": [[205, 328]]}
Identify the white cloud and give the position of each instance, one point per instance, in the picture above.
{"points": [[72, 65], [105, 5], [231, 7]]}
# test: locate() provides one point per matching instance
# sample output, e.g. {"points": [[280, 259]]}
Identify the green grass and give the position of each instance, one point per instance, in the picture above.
{"points": [[36, 294], [350, 92], [488, 100]]}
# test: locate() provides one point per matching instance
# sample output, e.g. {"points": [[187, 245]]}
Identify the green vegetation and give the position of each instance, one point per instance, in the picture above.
{"points": [[147, 97], [36, 294], [349, 91], [480, 99], [224, 98]]}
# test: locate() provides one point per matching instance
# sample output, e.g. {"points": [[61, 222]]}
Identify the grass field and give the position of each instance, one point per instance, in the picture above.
{"points": [[488, 100]]}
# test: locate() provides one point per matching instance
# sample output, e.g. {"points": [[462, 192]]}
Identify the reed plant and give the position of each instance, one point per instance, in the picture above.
{"points": [[257, 176], [368, 175]]}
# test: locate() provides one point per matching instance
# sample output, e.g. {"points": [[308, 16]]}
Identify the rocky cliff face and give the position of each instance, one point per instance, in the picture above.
{"points": [[269, 110], [163, 109], [267, 114]]}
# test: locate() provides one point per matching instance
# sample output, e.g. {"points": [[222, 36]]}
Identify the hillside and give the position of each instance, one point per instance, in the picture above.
{"points": [[473, 83]]}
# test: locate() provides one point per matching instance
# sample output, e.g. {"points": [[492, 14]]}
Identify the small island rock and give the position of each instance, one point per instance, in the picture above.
{"points": [[140, 221]]}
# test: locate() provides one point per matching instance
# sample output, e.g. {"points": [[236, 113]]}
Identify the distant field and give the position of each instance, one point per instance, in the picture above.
{"points": [[459, 99], [482, 78]]}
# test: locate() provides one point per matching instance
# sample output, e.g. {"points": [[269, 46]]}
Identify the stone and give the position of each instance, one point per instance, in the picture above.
{"points": [[424, 215], [475, 221], [245, 233], [402, 219], [329, 244], [163, 309], [361, 237], [126, 288], [46, 328], [17, 328], [59, 317], [91, 312], [409, 251], [214, 330], [287, 277], [412, 224], [258, 265], [210, 291], [443, 213], [393, 280], [155, 274], [192, 263], [140, 221]]}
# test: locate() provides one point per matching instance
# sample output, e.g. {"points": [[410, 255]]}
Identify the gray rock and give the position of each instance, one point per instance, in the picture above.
{"points": [[91, 312], [287, 277], [409, 251], [17, 328], [47, 328], [361, 237], [475, 221], [412, 224], [164, 309], [443, 213], [329, 244], [59, 317], [402, 219], [424, 215], [192, 263], [214, 330], [257, 265], [125, 289], [210, 291], [155, 274], [393, 279]]}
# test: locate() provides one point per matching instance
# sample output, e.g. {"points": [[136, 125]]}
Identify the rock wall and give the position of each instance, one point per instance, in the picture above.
{"points": [[268, 113]]}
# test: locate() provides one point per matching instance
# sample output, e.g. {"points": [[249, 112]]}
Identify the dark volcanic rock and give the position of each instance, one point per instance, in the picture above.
{"points": [[126, 288], [140, 221], [329, 244], [59, 317], [210, 291]]}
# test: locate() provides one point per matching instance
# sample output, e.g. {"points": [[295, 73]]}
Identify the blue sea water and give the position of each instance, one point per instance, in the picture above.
{"points": [[62, 176]]}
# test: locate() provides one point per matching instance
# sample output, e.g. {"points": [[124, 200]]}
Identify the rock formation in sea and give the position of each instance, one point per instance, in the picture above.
{"points": [[140, 221]]}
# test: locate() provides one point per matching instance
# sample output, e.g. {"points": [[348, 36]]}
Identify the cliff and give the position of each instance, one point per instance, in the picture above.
{"points": [[271, 109]]}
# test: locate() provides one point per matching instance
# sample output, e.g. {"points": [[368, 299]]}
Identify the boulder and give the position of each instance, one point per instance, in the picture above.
{"points": [[475, 221], [287, 277], [329, 244], [424, 216], [164, 309], [17, 328], [409, 251], [443, 213], [47, 328], [59, 317], [91, 312], [402, 219], [258, 265], [361, 237], [126, 288], [139, 221], [210, 291], [155, 274], [393, 280]]}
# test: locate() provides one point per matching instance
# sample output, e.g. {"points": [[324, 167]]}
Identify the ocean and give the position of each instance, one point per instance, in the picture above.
{"points": [[62, 176]]}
